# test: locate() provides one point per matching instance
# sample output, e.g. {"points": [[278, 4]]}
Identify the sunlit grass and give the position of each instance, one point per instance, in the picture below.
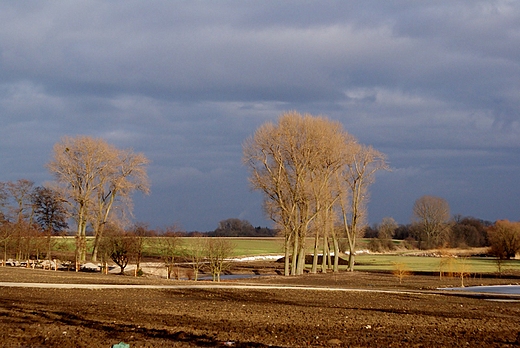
{"points": [[243, 246], [385, 262]]}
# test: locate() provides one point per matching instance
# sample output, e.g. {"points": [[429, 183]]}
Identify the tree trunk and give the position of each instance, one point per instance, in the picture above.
{"points": [[287, 255], [294, 257], [301, 257], [325, 255], [314, 268], [336, 254], [95, 247], [329, 257]]}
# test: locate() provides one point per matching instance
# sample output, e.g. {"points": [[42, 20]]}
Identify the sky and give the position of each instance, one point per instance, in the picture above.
{"points": [[433, 85]]}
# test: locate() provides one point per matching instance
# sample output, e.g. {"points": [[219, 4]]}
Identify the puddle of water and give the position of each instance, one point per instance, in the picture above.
{"points": [[495, 289]]}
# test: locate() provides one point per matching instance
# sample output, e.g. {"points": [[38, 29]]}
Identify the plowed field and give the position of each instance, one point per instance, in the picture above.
{"points": [[413, 313]]}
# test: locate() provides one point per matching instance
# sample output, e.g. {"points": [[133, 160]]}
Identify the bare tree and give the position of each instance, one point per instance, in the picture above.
{"points": [[3, 201], [50, 213], [293, 163], [196, 254], [218, 252], [504, 237], [5, 234], [169, 250], [385, 232], [119, 246], [49, 209], [353, 183], [400, 270], [128, 175], [431, 216], [21, 191], [78, 164], [139, 232], [94, 175], [20, 212]]}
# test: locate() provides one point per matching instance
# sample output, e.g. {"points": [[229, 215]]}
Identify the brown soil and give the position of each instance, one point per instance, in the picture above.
{"points": [[419, 317]]}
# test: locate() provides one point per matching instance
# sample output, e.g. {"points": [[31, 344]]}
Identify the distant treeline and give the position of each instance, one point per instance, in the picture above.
{"points": [[460, 232], [235, 228]]}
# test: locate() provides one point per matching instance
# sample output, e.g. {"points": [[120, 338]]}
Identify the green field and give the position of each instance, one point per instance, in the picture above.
{"points": [[241, 246], [364, 262], [386, 262]]}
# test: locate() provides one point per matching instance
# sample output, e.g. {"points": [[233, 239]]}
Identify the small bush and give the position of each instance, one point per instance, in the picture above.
{"points": [[401, 271]]}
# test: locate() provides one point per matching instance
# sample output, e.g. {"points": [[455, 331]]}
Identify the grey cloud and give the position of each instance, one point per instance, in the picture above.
{"points": [[433, 85]]}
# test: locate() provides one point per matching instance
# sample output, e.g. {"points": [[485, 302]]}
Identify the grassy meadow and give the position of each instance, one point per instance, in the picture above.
{"points": [[243, 246], [388, 262]]}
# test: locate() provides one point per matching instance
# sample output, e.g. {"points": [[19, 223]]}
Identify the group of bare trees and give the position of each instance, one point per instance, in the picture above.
{"points": [[29, 216], [315, 178], [94, 184], [202, 254], [433, 227], [96, 180]]}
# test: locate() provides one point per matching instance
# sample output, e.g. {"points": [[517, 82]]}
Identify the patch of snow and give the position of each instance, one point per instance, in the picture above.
{"points": [[89, 266], [258, 258]]}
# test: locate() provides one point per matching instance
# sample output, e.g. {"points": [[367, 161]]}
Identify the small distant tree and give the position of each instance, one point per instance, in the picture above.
{"points": [[20, 213], [430, 218], [401, 271], [169, 248], [3, 201], [385, 232], [21, 193], [119, 246], [139, 232], [504, 237], [218, 252], [447, 265], [463, 270], [4, 238], [196, 254]]}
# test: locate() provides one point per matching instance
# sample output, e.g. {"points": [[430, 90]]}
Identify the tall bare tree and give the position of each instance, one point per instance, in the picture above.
{"points": [[431, 215], [128, 175], [302, 165], [78, 164], [353, 183], [94, 174]]}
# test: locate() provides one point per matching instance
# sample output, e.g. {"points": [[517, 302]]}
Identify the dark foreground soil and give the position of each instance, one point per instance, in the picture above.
{"points": [[420, 316]]}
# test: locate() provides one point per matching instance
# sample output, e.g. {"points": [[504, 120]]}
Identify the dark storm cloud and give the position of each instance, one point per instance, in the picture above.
{"points": [[433, 85]]}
